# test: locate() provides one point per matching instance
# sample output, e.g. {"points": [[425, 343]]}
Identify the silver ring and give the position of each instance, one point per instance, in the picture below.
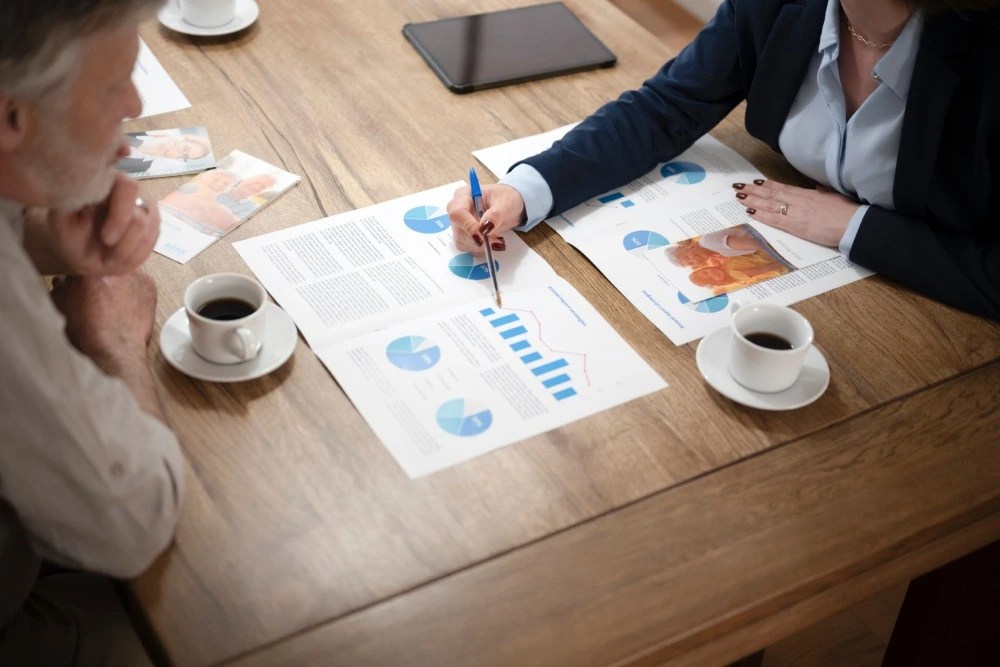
{"points": [[782, 208], [140, 203]]}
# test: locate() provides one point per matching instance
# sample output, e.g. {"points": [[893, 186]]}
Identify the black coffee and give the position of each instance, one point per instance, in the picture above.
{"points": [[226, 309], [769, 340]]}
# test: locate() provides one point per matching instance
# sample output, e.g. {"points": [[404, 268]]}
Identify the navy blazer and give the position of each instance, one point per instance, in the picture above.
{"points": [[943, 239]]}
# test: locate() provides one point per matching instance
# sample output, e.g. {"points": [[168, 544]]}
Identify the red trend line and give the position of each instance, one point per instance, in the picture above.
{"points": [[538, 324]]}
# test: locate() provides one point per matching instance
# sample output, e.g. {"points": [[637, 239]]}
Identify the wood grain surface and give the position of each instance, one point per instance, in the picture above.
{"points": [[298, 519]]}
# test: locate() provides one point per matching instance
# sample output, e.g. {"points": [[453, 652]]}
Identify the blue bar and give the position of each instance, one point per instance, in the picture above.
{"points": [[628, 203], [531, 358], [549, 367], [510, 333], [607, 199], [564, 394], [520, 345], [486, 312], [559, 379], [503, 321]]}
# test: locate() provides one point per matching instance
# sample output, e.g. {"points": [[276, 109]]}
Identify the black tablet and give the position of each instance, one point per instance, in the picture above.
{"points": [[510, 46]]}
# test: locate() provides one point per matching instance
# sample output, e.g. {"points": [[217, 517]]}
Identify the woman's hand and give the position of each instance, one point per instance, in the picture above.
{"points": [[820, 215], [504, 210]]}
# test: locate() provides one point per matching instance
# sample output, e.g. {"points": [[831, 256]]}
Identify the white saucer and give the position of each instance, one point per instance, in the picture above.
{"points": [[246, 13], [279, 342], [711, 356]]}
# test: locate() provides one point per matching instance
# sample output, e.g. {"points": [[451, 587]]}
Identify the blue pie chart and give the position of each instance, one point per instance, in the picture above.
{"points": [[467, 266], [463, 417], [427, 219], [684, 173], [712, 305], [644, 240], [413, 353]]}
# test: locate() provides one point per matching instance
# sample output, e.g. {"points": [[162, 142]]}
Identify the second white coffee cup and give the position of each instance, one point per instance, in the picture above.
{"points": [[208, 13], [226, 316], [768, 346]]}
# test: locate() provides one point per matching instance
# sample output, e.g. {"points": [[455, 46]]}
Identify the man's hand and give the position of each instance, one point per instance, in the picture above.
{"points": [[503, 207], [107, 239], [819, 215], [110, 319]]}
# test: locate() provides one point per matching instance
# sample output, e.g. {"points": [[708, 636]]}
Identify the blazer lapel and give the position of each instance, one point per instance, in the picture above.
{"points": [[933, 85], [782, 65]]}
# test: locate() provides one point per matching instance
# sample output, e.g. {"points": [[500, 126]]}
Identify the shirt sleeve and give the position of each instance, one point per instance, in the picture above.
{"points": [[847, 240], [533, 190], [97, 482]]}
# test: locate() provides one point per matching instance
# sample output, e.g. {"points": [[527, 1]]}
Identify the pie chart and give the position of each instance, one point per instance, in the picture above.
{"points": [[469, 267], [426, 219], [712, 305], [644, 240], [684, 173], [413, 353], [463, 417]]}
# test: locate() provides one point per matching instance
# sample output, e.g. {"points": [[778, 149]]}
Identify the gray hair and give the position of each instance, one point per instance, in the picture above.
{"points": [[40, 39]]}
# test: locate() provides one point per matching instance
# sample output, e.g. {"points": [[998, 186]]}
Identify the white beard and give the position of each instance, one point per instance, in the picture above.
{"points": [[69, 177]]}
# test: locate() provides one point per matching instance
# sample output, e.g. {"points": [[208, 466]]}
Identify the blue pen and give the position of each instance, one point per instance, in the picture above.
{"points": [[477, 200]]}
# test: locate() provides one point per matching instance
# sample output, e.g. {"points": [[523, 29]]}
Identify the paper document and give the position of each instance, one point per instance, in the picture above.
{"points": [[215, 202], [157, 90], [687, 197], [408, 326]]}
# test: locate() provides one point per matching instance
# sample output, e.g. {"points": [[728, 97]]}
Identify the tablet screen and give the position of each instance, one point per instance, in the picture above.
{"points": [[485, 50]]}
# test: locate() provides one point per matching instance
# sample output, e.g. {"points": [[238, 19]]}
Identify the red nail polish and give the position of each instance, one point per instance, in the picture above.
{"points": [[739, 186], [486, 228], [741, 195], [479, 241], [751, 211], [499, 247], [758, 181]]}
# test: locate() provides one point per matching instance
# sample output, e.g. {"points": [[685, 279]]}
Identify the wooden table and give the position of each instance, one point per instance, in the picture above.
{"points": [[677, 527]]}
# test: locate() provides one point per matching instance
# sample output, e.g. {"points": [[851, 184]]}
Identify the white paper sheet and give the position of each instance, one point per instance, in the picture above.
{"points": [[157, 90], [685, 197], [445, 388], [409, 327]]}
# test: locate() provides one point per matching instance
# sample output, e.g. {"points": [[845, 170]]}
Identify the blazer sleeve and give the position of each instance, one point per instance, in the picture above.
{"points": [[626, 138], [956, 269]]}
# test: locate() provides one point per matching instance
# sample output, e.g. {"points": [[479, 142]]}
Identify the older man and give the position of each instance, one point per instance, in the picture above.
{"points": [[87, 464]]}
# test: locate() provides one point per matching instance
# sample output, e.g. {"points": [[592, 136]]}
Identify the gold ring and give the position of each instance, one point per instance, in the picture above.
{"points": [[782, 208], [140, 203]]}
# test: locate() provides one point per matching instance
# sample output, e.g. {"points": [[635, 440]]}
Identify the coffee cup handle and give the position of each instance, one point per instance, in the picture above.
{"points": [[247, 344], [737, 304]]}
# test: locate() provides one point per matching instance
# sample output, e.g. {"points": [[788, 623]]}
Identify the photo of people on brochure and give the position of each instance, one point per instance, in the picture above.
{"points": [[718, 262], [184, 150], [215, 202]]}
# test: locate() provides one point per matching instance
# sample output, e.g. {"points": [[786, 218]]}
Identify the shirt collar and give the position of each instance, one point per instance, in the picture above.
{"points": [[12, 213], [829, 36], [895, 69]]}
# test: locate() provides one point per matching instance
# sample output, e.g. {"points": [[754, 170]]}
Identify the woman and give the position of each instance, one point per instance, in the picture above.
{"points": [[891, 106]]}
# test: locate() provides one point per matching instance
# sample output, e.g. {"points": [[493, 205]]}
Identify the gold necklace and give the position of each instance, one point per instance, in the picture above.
{"points": [[867, 42]]}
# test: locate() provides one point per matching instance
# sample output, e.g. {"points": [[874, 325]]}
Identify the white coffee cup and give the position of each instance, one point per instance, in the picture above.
{"points": [[226, 316], [208, 13], [768, 346]]}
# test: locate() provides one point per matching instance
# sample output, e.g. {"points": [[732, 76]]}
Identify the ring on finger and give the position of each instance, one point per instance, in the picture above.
{"points": [[141, 203], [783, 208]]}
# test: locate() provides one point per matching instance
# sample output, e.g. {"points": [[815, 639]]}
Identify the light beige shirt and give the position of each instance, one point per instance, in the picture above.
{"points": [[96, 481]]}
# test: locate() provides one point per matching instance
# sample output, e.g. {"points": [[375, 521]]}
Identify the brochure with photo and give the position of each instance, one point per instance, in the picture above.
{"points": [[706, 266], [183, 150], [213, 203]]}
